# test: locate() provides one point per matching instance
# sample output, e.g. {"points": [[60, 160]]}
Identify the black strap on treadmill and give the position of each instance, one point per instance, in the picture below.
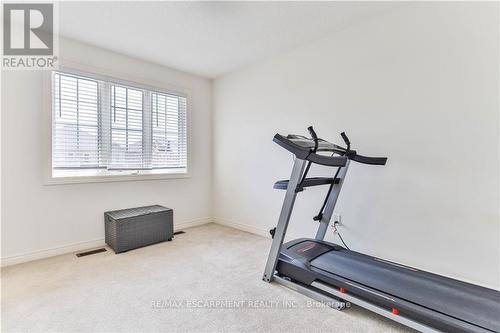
{"points": [[320, 214], [343, 152], [348, 143]]}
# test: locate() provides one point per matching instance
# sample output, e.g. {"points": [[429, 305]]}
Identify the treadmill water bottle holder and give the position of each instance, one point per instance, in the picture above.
{"points": [[308, 182]]}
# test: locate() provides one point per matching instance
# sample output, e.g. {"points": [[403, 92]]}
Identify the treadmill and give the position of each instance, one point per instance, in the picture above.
{"points": [[337, 276]]}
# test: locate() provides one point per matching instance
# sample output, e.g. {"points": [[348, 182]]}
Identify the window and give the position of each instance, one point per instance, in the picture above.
{"points": [[102, 127]]}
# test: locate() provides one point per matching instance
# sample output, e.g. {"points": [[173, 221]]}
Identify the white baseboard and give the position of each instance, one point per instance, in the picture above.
{"points": [[242, 226], [52, 252], [192, 223], [82, 246], [250, 228]]}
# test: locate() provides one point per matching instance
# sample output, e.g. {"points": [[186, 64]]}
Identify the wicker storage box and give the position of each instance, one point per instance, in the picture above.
{"points": [[129, 229]]}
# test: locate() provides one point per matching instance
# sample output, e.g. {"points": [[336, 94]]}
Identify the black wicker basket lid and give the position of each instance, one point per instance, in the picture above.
{"points": [[132, 212]]}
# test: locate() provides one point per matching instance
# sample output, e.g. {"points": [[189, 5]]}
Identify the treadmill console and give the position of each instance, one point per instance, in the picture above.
{"points": [[307, 149]]}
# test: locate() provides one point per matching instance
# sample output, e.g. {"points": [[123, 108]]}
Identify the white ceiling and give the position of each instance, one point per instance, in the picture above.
{"points": [[207, 38]]}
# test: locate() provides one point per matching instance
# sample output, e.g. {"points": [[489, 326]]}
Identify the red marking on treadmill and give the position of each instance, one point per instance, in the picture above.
{"points": [[306, 248], [395, 311], [343, 290]]}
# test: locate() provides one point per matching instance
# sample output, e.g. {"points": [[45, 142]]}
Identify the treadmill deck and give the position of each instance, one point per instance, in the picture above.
{"points": [[470, 303]]}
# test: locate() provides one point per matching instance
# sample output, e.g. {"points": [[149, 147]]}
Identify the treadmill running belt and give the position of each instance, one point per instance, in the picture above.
{"points": [[458, 299]]}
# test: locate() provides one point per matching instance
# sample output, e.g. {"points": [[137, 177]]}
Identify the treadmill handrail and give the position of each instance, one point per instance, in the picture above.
{"points": [[369, 160]]}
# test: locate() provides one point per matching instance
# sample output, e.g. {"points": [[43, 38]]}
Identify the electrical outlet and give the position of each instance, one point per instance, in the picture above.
{"points": [[337, 218]]}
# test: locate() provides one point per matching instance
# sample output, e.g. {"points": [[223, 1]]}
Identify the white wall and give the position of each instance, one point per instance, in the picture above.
{"points": [[36, 216], [419, 85]]}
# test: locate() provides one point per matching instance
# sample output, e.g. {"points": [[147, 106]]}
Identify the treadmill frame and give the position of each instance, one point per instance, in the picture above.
{"points": [[287, 208], [320, 291]]}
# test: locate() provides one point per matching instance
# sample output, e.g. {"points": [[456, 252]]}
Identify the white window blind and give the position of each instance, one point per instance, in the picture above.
{"points": [[127, 150], [169, 131], [76, 126], [112, 126]]}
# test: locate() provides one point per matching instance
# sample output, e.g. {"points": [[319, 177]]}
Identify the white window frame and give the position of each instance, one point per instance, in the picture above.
{"points": [[110, 176]]}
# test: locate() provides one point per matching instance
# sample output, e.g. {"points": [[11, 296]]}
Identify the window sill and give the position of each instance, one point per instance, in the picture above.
{"points": [[93, 176]]}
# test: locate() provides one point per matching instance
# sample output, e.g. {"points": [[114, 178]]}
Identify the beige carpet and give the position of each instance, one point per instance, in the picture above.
{"points": [[178, 286]]}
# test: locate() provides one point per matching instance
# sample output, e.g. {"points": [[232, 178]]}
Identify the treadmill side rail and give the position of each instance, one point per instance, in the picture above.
{"points": [[374, 308], [333, 302]]}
